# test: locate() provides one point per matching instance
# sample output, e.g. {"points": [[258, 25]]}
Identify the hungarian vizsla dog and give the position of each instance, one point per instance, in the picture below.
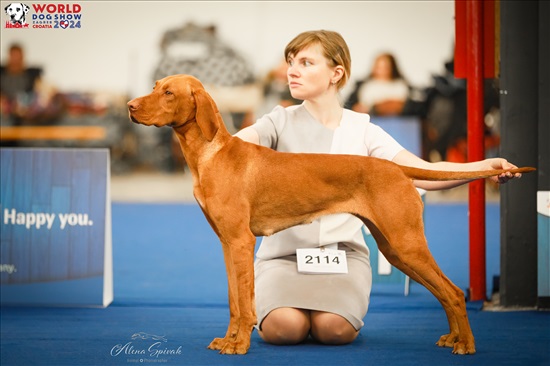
{"points": [[246, 190]]}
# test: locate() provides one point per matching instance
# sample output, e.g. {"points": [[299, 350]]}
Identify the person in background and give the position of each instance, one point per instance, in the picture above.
{"points": [[384, 92], [18, 83], [26, 99], [292, 305]]}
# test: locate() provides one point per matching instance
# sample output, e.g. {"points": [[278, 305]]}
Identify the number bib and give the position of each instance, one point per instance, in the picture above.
{"points": [[321, 260]]}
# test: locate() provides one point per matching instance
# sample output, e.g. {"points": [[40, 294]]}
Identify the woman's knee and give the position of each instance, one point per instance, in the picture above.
{"points": [[329, 328], [285, 326]]}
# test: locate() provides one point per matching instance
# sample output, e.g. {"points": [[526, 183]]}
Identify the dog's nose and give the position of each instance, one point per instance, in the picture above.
{"points": [[133, 105]]}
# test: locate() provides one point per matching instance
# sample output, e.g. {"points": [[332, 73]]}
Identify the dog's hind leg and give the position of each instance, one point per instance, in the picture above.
{"points": [[404, 245]]}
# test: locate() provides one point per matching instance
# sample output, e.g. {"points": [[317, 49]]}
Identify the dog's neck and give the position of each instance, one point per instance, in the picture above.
{"points": [[196, 148]]}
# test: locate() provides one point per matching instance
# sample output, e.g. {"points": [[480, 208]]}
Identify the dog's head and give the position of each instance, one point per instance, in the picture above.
{"points": [[175, 101], [17, 12]]}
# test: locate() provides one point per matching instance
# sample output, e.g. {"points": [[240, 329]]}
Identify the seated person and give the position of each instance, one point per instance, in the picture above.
{"points": [[18, 82], [384, 92], [25, 98]]}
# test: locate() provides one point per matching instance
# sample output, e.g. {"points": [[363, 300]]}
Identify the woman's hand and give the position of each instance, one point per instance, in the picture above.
{"points": [[499, 163]]}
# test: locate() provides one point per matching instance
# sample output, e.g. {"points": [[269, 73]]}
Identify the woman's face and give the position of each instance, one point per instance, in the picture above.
{"points": [[309, 74], [382, 68]]}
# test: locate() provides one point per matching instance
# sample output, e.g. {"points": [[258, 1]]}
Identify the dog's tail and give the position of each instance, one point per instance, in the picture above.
{"points": [[436, 175]]}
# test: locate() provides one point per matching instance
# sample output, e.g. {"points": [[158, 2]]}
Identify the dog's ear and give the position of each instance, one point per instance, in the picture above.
{"points": [[25, 8], [206, 114]]}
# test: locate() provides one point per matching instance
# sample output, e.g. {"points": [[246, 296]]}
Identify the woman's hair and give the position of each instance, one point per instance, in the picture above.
{"points": [[395, 72], [334, 49]]}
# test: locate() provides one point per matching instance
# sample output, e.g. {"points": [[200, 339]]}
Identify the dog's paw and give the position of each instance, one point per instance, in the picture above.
{"points": [[217, 344], [229, 347], [447, 340], [463, 348], [459, 347], [235, 348]]}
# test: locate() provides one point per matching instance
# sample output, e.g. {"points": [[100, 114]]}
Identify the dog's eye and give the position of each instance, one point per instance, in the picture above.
{"points": [[168, 92]]}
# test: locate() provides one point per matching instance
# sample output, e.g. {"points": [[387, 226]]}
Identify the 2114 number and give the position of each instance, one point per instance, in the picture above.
{"points": [[318, 259]]}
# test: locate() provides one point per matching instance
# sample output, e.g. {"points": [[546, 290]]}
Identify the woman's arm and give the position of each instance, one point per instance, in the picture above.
{"points": [[249, 134], [408, 159]]}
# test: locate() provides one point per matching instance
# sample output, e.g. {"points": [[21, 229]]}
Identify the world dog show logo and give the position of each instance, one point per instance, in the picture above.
{"points": [[43, 16]]}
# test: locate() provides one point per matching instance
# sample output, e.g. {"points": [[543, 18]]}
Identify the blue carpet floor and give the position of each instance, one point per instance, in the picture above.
{"points": [[169, 281]]}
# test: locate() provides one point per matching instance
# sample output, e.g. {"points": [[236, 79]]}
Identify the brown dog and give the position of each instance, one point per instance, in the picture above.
{"points": [[246, 190]]}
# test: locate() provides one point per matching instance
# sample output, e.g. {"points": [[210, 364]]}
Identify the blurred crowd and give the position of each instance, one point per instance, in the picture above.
{"points": [[29, 100]]}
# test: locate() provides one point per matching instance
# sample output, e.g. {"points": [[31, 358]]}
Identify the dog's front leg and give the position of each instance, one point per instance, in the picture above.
{"points": [[239, 262], [232, 329]]}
